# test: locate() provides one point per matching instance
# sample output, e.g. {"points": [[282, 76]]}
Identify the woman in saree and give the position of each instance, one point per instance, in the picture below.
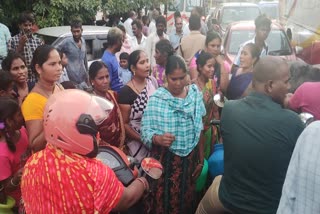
{"points": [[163, 50], [172, 128], [111, 130], [133, 99], [240, 82], [221, 67], [208, 86], [46, 63]]}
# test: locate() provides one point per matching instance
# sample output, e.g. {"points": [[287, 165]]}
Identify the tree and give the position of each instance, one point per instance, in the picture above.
{"points": [[60, 12], [49, 12], [123, 6]]}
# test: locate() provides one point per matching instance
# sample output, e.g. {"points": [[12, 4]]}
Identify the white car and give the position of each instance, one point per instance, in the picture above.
{"points": [[94, 36]]}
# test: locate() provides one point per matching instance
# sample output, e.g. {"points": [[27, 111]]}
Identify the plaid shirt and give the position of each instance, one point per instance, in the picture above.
{"points": [[28, 50], [180, 117], [301, 189]]}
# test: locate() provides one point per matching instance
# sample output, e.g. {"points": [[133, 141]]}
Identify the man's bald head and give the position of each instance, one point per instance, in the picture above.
{"points": [[271, 77], [268, 68]]}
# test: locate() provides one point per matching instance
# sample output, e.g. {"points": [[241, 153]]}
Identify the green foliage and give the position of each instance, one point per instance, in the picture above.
{"points": [[123, 6], [60, 12], [49, 12]]}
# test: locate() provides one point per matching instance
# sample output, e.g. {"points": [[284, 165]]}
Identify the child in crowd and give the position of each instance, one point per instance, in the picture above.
{"points": [[64, 61], [13, 149], [124, 73], [6, 85]]}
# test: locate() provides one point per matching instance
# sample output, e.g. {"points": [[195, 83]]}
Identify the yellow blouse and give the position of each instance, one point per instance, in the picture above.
{"points": [[33, 106]]}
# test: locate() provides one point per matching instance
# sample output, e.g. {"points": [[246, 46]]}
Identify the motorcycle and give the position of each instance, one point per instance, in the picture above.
{"points": [[126, 167]]}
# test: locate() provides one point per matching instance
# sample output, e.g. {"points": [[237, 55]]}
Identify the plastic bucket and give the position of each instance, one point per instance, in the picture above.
{"points": [[7, 208], [202, 179]]}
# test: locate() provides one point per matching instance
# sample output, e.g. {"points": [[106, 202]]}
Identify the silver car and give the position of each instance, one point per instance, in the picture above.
{"points": [[94, 36]]}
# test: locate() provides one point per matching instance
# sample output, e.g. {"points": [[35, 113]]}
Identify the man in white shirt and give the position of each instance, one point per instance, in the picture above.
{"points": [[263, 28], [127, 23], [152, 26], [204, 28], [138, 41], [154, 37], [301, 189]]}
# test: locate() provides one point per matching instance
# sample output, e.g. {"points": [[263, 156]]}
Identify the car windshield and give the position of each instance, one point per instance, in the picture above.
{"points": [[270, 10], [277, 41], [47, 39], [94, 44], [234, 14]]}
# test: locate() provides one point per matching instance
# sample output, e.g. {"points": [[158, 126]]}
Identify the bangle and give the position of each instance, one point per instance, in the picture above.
{"points": [[144, 183], [200, 163], [15, 185]]}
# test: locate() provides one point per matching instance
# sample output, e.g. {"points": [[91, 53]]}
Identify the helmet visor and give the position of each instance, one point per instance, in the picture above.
{"points": [[99, 109]]}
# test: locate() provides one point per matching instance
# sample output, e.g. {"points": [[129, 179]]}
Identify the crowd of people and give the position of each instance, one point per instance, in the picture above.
{"points": [[152, 95]]}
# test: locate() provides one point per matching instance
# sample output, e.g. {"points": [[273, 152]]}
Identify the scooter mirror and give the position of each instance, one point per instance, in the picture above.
{"points": [[152, 167], [306, 118], [219, 100]]}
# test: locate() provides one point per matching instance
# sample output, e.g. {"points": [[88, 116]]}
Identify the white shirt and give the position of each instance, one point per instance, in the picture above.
{"points": [[128, 27], [152, 27], [135, 45], [301, 189]]}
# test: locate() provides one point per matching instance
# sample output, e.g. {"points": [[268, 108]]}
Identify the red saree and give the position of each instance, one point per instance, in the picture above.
{"points": [[112, 129]]}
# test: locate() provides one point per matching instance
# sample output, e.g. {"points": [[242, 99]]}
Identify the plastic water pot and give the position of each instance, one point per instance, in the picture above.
{"points": [[202, 179], [215, 161], [6, 208]]}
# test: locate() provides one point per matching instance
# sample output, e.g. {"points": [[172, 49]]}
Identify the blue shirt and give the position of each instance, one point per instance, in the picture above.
{"points": [[112, 63], [4, 39], [125, 75], [174, 39], [77, 60]]}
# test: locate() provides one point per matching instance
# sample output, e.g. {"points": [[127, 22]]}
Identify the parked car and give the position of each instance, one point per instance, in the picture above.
{"points": [[94, 36], [240, 32], [270, 8], [227, 13]]}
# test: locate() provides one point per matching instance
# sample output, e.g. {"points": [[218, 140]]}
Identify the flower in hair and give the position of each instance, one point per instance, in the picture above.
{"points": [[2, 126]]}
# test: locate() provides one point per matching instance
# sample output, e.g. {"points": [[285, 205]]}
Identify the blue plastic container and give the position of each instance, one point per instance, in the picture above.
{"points": [[215, 161]]}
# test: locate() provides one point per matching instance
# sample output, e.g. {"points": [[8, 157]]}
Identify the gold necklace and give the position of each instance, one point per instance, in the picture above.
{"points": [[135, 88]]}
